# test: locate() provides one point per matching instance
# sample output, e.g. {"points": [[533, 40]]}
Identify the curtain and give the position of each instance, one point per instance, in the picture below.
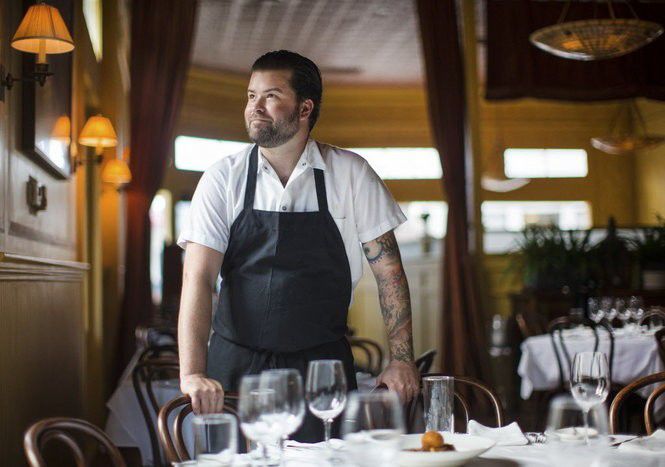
{"points": [[516, 68], [161, 38], [463, 344]]}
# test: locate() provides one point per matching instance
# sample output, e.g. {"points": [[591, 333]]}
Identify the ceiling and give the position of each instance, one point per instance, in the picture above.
{"points": [[352, 41]]}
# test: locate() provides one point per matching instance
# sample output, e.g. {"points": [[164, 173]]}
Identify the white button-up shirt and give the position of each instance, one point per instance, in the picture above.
{"points": [[358, 200]]}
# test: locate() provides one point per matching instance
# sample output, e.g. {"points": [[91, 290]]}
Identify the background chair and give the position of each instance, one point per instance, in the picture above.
{"points": [[66, 431], [144, 376], [639, 383], [424, 362], [415, 408], [371, 351], [172, 440]]}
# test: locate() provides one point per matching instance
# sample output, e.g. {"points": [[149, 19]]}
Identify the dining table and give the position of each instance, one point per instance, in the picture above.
{"points": [[635, 355]]}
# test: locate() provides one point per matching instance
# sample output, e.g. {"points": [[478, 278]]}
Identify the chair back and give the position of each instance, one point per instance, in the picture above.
{"points": [[372, 353], [655, 315], [164, 352], [416, 406], [171, 439], [144, 375], [424, 362], [648, 408], [62, 429], [555, 330]]}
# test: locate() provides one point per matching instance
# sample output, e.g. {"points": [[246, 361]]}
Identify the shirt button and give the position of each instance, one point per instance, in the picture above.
{"points": [[283, 208], [265, 168], [304, 164]]}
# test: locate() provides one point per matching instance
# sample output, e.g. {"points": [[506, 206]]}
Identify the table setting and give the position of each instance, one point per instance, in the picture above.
{"points": [[373, 433]]}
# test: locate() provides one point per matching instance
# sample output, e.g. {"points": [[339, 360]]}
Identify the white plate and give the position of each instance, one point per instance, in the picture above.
{"points": [[467, 447]]}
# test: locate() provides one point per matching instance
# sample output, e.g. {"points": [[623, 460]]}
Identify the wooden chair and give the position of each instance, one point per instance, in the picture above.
{"points": [[655, 314], [424, 362], [62, 429], [164, 352], [144, 375], [416, 405], [372, 352], [648, 407], [173, 444]]}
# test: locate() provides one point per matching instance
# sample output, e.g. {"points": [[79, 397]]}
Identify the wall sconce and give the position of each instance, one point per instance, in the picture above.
{"points": [[116, 171], [98, 133], [42, 31]]}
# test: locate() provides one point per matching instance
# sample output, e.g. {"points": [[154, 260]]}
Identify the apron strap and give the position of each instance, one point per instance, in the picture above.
{"points": [[321, 190], [250, 186]]}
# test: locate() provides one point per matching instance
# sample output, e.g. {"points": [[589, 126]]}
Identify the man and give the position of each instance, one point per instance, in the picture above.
{"points": [[283, 221]]}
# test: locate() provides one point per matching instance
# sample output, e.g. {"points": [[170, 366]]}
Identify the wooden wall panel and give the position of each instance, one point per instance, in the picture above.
{"points": [[41, 346]]}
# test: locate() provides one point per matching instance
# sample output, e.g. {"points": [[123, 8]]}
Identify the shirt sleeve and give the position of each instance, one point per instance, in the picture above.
{"points": [[207, 222], [375, 210]]}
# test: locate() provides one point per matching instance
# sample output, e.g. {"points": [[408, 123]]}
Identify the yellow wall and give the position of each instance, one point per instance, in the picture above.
{"points": [[650, 166]]}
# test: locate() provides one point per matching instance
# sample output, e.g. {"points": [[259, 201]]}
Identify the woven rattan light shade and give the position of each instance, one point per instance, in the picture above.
{"points": [[595, 39]]}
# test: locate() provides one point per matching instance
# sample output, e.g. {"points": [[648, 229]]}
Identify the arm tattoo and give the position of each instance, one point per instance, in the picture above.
{"points": [[384, 259]]}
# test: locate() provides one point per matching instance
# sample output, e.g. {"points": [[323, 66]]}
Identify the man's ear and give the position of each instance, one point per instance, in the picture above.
{"points": [[306, 108]]}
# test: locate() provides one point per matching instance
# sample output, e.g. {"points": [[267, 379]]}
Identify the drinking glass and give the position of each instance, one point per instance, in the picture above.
{"points": [[589, 383], [607, 305], [326, 391], [262, 411], [215, 438], [636, 307], [294, 400], [438, 398], [372, 426], [623, 313]]}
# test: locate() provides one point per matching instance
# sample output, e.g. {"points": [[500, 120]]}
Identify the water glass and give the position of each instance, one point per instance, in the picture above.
{"points": [[589, 382], [438, 398], [372, 427], [326, 391], [215, 438]]}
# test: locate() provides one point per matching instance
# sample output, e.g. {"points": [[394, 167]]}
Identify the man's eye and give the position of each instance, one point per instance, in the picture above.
{"points": [[251, 96]]}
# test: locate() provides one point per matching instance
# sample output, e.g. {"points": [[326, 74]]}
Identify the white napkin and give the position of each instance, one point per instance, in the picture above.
{"points": [[335, 443], [509, 435], [654, 444]]}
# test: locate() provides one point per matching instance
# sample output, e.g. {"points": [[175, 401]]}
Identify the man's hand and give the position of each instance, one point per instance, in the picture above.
{"points": [[401, 377], [207, 394]]}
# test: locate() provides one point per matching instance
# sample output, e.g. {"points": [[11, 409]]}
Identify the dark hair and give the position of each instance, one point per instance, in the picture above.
{"points": [[305, 76]]}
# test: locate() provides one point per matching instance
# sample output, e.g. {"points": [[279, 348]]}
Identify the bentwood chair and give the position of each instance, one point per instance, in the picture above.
{"points": [[424, 362], [171, 439], [145, 376], [415, 408], [371, 351], [67, 431], [639, 383]]}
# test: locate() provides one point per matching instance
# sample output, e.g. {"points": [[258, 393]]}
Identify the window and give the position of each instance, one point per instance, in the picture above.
{"points": [[197, 154], [503, 221], [181, 212], [403, 163], [160, 233], [545, 163]]}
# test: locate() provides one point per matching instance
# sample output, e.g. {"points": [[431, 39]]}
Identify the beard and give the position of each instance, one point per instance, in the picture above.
{"points": [[276, 133]]}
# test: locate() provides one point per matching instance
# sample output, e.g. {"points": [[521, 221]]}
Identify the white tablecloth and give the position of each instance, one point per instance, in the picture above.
{"points": [[635, 355]]}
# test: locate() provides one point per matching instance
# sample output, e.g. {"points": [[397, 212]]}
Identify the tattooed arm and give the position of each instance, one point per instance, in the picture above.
{"points": [[384, 259]]}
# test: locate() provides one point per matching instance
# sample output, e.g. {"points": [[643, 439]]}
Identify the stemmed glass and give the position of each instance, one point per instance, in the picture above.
{"points": [[623, 312], [607, 306], [262, 410], [295, 401], [326, 391], [636, 307], [372, 427], [589, 383], [596, 314]]}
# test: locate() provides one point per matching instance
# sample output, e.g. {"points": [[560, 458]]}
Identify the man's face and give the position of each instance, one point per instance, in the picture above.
{"points": [[272, 114]]}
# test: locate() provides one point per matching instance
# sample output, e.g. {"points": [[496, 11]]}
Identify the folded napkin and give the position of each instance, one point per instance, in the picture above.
{"points": [[509, 435], [654, 444]]}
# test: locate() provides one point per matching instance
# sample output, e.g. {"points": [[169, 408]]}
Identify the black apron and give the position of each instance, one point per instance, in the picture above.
{"points": [[286, 288]]}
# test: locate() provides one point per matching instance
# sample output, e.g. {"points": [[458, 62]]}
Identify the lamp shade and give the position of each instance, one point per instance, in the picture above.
{"points": [[116, 172], [98, 132], [43, 31]]}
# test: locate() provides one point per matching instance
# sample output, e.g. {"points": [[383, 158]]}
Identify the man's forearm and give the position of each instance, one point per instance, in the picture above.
{"points": [[194, 325], [395, 302]]}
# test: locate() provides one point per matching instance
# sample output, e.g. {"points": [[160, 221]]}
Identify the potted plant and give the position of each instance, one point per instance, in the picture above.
{"points": [[649, 248]]}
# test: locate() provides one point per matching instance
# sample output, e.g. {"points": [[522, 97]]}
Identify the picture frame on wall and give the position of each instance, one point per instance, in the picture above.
{"points": [[46, 110]]}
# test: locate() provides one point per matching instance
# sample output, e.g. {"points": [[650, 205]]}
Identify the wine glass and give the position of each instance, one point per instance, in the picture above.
{"points": [[295, 401], [326, 391], [636, 307], [623, 313], [596, 314], [607, 305], [589, 383], [262, 410], [372, 427]]}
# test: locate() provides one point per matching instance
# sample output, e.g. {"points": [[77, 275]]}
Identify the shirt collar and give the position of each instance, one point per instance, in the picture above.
{"points": [[311, 155]]}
